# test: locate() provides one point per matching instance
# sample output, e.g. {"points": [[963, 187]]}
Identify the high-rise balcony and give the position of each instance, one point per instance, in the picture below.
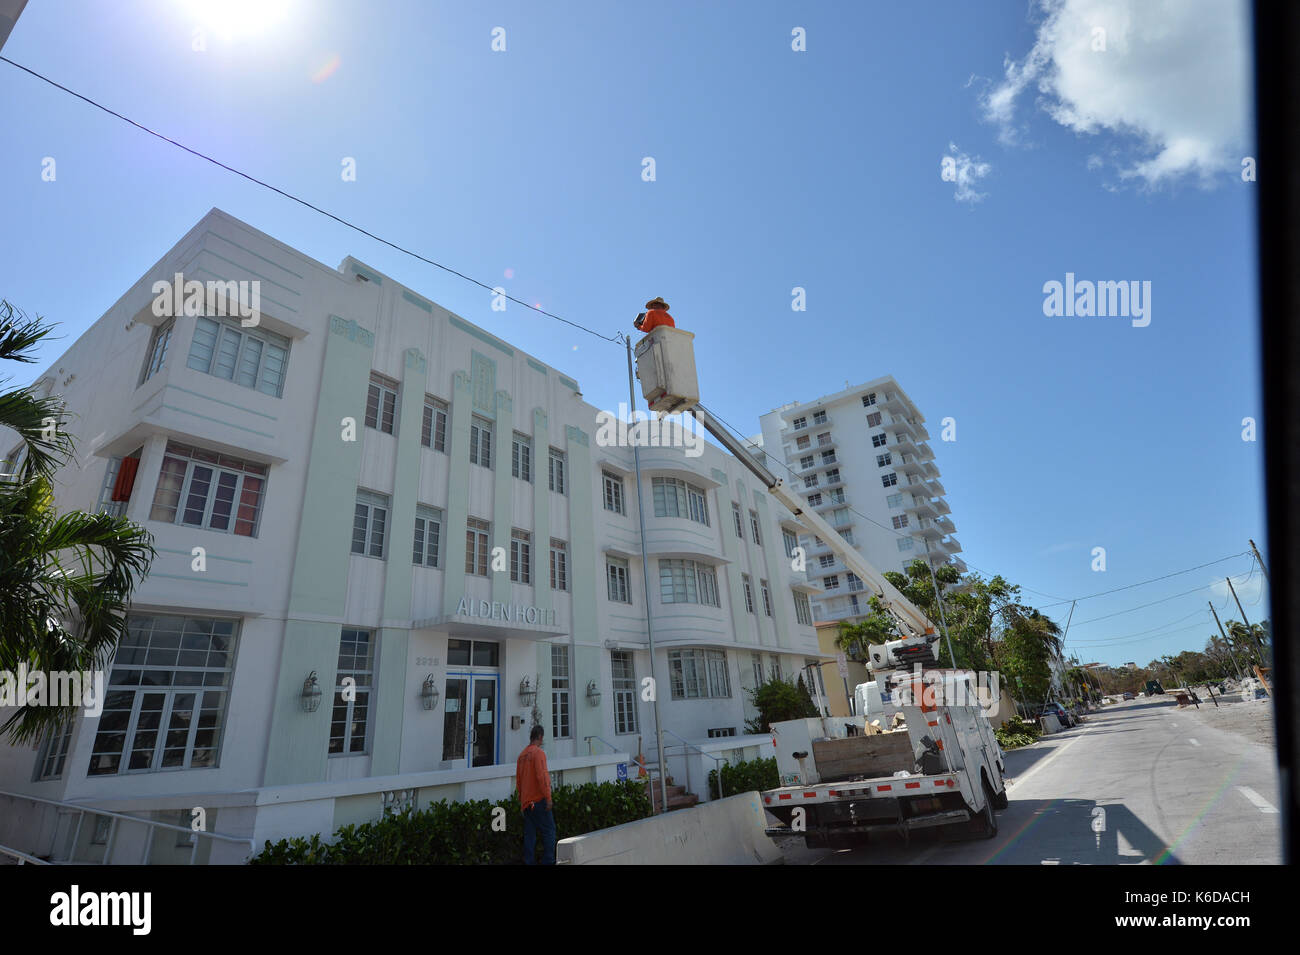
{"points": [[946, 525], [931, 469], [922, 507], [924, 452], [926, 529], [900, 426], [909, 466], [950, 545], [905, 445], [941, 507]]}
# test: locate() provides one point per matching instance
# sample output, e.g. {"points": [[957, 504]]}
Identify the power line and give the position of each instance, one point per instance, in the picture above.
{"points": [[304, 202], [1144, 606], [1153, 580]]}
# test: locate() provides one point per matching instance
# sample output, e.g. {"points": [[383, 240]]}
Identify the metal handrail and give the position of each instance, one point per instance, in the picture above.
{"points": [[153, 825], [716, 760], [588, 740], [22, 857]]}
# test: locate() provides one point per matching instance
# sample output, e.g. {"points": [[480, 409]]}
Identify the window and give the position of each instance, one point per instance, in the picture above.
{"points": [[480, 442], [900, 520], [719, 732], [749, 592], [369, 524], [810, 481], [855, 582], [698, 674], [753, 526], [790, 541], [676, 498], [756, 662], [254, 358], [521, 457], [869, 400], [521, 557], [819, 417], [165, 705], [119, 483], [847, 535], [559, 565], [873, 420], [381, 404], [803, 442], [884, 460], [879, 440], [688, 581], [802, 612], [351, 716], [158, 342], [433, 429], [776, 667], [826, 560], [889, 480], [428, 536], [476, 546], [209, 490], [613, 492], [557, 471], [799, 423], [836, 495], [560, 680], [832, 582], [815, 499], [833, 476], [824, 439], [735, 514], [894, 500], [616, 580], [767, 597], [625, 712], [828, 457], [54, 751], [807, 461], [840, 516], [905, 543]]}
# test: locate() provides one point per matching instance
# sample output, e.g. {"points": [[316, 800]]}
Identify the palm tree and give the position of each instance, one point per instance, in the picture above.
{"points": [[65, 579]]}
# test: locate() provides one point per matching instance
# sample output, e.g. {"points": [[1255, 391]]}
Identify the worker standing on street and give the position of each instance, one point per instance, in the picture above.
{"points": [[533, 783], [656, 314]]}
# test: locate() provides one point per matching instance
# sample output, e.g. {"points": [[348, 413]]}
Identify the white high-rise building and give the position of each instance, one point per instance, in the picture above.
{"points": [[861, 458]]}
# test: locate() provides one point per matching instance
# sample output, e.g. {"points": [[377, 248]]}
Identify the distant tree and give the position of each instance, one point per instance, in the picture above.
{"points": [[778, 700]]}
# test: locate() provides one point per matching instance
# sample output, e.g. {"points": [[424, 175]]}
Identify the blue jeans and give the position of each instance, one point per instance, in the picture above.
{"points": [[539, 819]]}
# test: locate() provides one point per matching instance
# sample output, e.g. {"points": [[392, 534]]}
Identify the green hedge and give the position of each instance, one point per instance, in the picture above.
{"points": [[753, 775], [461, 833], [1015, 732]]}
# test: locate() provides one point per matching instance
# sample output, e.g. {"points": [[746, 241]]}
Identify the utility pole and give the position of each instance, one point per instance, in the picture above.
{"points": [[939, 600], [1249, 632], [1260, 559], [645, 580], [1226, 641], [1060, 659]]}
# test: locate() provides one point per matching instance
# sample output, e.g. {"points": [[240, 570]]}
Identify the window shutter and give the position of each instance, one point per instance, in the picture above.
{"points": [[125, 482]]}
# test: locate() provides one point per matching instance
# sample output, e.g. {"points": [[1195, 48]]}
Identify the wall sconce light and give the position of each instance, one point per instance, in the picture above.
{"points": [[527, 695], [593, 694], [310, 693], [429, 693]]}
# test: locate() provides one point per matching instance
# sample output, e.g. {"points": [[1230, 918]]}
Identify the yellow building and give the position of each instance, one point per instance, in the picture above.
{"points": [[839, 689]]}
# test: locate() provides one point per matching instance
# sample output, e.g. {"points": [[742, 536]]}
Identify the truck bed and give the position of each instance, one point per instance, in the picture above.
{"points": [[868, 756]]}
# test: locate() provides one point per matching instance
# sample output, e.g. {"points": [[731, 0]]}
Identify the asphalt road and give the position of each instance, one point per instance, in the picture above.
{"points": [[1170, 790]]}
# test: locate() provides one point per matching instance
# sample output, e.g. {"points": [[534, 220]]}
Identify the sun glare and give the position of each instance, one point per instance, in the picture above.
{"points": [[231, 19]]}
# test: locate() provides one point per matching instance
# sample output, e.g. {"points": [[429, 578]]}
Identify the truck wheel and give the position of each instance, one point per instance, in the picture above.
{"points": [[1001, 800], [985, 825]]}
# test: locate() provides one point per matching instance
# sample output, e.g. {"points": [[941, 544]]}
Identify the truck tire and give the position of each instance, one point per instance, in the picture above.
{"points": [[1001, 800], [985, 825]]}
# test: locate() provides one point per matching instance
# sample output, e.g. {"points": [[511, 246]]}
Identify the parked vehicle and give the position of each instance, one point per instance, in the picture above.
{"points": [[1128, 695], [1063, 715]]}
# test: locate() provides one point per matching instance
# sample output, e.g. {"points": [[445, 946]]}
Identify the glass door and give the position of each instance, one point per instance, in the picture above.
{"points": [[483, 732], [454, 725]]}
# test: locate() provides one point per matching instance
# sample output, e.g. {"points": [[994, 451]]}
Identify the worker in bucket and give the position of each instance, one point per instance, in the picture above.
{"points": [[656, 314]]}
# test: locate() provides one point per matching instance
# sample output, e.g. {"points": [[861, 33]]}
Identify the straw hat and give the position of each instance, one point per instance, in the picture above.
{"points": [[657, 303]]}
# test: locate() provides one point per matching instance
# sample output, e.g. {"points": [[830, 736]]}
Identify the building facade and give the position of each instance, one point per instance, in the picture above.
{"points": [[388, 542], [862, 459]]}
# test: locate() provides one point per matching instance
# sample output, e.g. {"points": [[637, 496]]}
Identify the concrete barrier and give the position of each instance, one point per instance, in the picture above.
{"points": [[1050, 725], [727, 831]]}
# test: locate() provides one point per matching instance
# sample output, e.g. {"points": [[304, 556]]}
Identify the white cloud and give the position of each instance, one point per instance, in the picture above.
{"points": [[1171, 86], [959, 168]]}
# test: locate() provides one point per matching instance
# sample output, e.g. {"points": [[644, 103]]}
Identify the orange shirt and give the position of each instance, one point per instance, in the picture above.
{"points": [[531, 777], [656, 317]]}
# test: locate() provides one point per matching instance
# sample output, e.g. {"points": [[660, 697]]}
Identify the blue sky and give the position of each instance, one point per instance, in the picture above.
{"points": [[773, 169]]}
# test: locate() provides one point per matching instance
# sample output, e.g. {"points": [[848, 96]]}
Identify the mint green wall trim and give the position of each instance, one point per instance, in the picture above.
{"points": [[481, 335], [503, 496], [230, 404], [587, 719], [483, 384], [417, 301], [233, 560], [391, 692], [458, 468], [568, 383], [199, 578], [217, 235], [362, 270], [720, 476], [228, 424], [299, 741], [298, 747], [406, 487], [542, 514], [536, 366]]}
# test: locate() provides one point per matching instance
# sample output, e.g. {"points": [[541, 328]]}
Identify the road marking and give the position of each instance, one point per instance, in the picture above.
{"points": [[1192, 741], [1262, 804], [1018, 780]]}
